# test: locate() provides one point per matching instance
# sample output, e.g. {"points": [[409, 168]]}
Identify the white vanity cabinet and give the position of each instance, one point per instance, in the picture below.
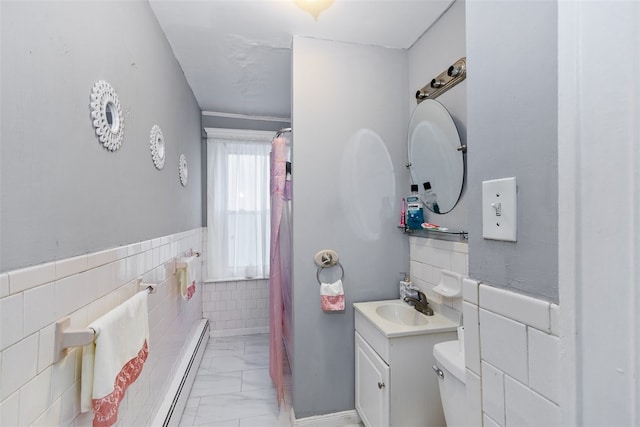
{"points": [[372, 385], [395, 384]]}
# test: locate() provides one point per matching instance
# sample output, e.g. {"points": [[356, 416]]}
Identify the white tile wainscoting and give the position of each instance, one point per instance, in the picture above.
{"points": [[512, 357], [36, 391], [238, 307], [511, 341], [428, 257]]}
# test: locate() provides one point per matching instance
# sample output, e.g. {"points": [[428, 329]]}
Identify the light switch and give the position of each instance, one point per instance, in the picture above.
{"points": [[499, 210]]}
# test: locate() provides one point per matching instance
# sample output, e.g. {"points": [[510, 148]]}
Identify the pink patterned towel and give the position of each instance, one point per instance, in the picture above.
{"points": [[187, 277], [115, 359], [332, 296]]}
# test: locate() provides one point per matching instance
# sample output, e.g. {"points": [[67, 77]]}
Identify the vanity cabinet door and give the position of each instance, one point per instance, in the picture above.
{"points": [[372, 385]]}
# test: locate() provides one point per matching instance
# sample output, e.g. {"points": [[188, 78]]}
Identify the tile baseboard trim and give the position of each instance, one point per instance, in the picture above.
{"points": [[244, 331], [337, 419]]}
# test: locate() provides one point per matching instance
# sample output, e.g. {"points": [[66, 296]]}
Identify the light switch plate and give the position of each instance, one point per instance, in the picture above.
{"points": [[499, 209]]}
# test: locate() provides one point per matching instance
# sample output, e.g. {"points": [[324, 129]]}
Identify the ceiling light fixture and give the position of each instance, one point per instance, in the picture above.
{"points": [[314, 7]]}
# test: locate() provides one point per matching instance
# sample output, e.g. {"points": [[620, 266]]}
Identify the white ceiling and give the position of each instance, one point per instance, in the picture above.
{"points": [[236, 54]]}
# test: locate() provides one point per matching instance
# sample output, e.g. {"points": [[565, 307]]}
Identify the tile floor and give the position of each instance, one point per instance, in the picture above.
{"points": [[233, 387]]}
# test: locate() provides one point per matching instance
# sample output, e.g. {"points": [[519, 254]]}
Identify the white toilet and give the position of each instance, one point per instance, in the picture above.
{"points": [[449, 367]]}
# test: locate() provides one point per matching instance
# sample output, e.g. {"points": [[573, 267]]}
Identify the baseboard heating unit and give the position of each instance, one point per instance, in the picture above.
{"points": [[172, 406]]}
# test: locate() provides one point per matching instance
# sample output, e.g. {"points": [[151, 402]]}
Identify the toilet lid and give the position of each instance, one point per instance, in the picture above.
{"points": [[450, 357]]}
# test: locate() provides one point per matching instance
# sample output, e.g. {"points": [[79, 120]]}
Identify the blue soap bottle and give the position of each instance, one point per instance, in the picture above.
{"points": [[415, 214]]}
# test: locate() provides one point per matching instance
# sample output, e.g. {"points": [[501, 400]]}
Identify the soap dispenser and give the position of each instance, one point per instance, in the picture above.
{"points": [[406, 288]]}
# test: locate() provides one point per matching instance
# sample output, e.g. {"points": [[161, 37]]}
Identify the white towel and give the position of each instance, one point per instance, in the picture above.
{"points": [[187, 278], [115, 359], [332, 296]]}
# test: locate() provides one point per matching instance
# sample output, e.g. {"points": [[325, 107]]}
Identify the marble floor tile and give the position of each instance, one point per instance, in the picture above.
{"points": [[216, 348], [217, 365], [223, 351], [256, 347], [256, 360], [244, 404], [282, 420], [192, 402], [255, 379], [188, 417], [213, 384], [233, 387]]}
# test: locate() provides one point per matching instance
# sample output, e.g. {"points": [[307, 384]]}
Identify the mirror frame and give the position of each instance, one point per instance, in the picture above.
{"points": [[183, 171], [103, 97], [157, 146]]}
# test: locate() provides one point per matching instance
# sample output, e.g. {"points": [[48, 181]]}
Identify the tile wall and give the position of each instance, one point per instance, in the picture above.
{"points": [[428, 257], [511, 341], [512, 357], [36, 391], [237, 307]]}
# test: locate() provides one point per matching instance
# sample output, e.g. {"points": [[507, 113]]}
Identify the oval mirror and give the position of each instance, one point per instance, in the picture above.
{"points": [[435, 157]]}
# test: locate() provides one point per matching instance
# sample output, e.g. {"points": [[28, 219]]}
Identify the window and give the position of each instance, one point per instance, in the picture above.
{"points": [[238, 201]]}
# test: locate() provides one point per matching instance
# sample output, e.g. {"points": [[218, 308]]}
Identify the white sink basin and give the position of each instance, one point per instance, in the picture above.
{"points": [[396, 318], [402, 314]]}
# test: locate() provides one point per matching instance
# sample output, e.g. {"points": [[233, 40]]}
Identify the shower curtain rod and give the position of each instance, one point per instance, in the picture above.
{"points": [[281, 131]]}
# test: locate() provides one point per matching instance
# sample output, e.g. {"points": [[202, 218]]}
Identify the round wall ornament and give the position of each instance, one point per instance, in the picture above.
{"points": [[157, 147], [182, 170], [106, 114]]}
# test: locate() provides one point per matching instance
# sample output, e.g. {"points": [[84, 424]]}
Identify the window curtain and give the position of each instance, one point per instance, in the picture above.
{"points": [[238, 206]]}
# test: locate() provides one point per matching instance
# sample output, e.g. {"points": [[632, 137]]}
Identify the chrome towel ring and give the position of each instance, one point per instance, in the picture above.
{"points": [[327, 259], [337, 264]]}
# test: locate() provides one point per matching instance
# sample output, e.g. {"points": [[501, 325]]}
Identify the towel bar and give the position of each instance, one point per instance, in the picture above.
{"points": [[149, 287], [178, 264], [66, 337]]}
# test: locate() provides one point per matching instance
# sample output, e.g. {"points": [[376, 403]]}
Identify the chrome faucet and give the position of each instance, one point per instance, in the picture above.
{"points": [[421, 304]]}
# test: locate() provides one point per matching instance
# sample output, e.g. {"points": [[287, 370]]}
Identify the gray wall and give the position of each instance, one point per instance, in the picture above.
{"points": [[433, 53], [512, 131], [339, 89], [62, 193]]}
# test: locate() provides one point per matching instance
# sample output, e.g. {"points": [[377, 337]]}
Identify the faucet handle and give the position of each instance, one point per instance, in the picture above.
{"points": [[422, 297]]}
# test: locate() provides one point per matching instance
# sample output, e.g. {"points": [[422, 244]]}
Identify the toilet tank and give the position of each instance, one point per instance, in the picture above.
{"points": [[450, 369]]}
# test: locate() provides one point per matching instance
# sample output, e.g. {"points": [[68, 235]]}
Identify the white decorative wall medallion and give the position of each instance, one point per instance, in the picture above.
{"points": [[157, 147], [182, 170], [107, 116]]}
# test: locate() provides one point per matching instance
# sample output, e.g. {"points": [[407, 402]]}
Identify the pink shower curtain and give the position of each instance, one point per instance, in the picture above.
{"points": [[277, 275]]}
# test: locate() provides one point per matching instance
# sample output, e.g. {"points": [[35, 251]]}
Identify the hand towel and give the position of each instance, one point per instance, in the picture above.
{"points": [[115, 358], [332, 296], [187, 278]]}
